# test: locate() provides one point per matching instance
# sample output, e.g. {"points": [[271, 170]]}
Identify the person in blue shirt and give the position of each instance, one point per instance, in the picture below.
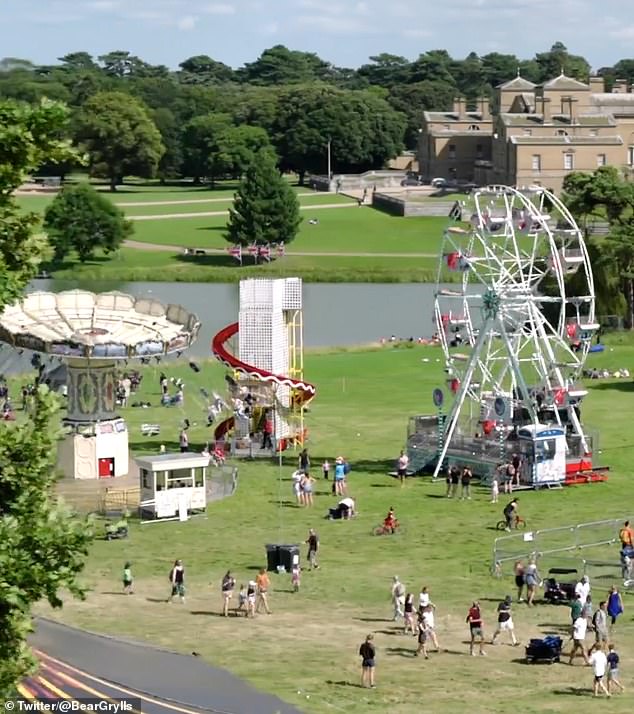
{"points": [[340, 476], [613, 670]]}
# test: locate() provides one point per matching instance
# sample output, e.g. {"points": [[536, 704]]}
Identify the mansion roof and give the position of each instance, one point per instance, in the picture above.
{"points": [[563, 83], [530, 120], [454, 117], [518, 84]]}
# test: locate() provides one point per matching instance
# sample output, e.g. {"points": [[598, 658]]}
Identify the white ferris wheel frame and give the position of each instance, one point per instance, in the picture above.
{"points": [[511, 275]]}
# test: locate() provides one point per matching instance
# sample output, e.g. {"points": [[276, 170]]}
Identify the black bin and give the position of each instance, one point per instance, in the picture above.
{"points": [[288, 556], [272, 556]]}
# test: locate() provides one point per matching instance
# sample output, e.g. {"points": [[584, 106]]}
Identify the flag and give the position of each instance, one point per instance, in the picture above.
{"points": [[235, 251], [456, 211]]}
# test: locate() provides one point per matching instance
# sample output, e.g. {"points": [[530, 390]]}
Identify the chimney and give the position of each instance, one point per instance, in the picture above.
{"points": [[619, 86], [597, 85], [459, 105], [484, 107], [568, 108], [547, 110]]}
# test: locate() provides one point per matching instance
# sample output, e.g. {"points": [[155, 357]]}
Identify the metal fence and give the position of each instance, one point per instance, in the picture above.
{"points": [[592, 549], [222, 482]]}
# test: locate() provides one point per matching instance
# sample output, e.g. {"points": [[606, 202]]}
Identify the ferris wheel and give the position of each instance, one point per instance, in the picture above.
{"points": [[517, 326]]}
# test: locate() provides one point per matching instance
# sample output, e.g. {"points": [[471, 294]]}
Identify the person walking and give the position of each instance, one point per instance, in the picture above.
{"points": [[615, 604], [296, 574], [325, 468], [599, 663], [495, 488], [242, 600], [304, 461], [398, 598], [582, 588], [252, 592], [128, 580], [177, 580], [367, 652], [408, 616], [267, 431], [297, 487], [465, 482], [576, 608], [613, 670], [520, 582], [183, 440], [263, 582], [313, 546], [429, 623], [579, 629], [448, 482], [227, 588], [505, 621], [340, 477], [423, 598], [422, 637], [600, 624], [455, 480], [476, 630], [403, 462], [307, 489], [532, 579]]}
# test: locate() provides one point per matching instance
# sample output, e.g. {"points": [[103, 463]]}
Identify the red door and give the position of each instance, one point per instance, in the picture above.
{"points": [[106, 468]]}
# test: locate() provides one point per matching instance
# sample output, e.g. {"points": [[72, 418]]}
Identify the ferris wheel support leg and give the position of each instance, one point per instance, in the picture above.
{"points": [[460, 399], [516, 368], [577, 424]]}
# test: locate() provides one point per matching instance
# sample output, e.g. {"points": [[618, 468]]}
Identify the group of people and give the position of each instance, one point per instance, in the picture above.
{"points": [[459, 477]]}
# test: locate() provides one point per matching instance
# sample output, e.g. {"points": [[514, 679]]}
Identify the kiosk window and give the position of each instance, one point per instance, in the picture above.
{"points": [[545, 450], [145, 478], [199, 479], [180, 478]]}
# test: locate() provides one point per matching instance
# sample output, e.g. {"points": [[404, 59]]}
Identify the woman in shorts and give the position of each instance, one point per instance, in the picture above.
{"points": [[307, 489], [505, 621], [476, 630], [367, 652], [408, 616], [252, 589], [520, 581], [227, 587], [297, 487], [532, 581]]}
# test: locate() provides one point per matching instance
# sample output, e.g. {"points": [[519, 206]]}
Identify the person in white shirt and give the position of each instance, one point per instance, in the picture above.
{"points": [[398, 597], [599, 662], [579, 629], [582, 588], [423, 598], [346, 508], [429, 624]]}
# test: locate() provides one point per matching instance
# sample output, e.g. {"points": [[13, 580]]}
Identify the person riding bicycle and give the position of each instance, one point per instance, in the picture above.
{"points": [[510, 514], [390, 524]]}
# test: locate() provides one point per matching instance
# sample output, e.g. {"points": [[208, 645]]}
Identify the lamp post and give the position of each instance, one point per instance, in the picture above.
{"points": [[329, 159]]}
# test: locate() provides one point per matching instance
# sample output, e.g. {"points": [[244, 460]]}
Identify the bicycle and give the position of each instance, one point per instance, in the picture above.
{"points": [[519, 525], [383, 530]]}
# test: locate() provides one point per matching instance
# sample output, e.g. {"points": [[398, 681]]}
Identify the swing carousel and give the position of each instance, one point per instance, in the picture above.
{"points": [[92, 335], [515, 329]]}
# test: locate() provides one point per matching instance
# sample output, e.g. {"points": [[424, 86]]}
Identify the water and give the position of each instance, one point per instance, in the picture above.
{"points": [[334, 314]]}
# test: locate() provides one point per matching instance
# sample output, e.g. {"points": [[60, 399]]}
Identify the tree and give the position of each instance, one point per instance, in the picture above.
{"points": [[171, 163], [119, 136], [41, 545], [266, 209], [279, 65], [386, 70], [29, 136], [558, 60], [237, 148], [83, 220], [200, 145], [202, 69], [363, 130]]}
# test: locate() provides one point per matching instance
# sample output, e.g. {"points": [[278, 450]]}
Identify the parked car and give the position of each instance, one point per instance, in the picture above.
{"points": [[411, 181], [439, 183]]}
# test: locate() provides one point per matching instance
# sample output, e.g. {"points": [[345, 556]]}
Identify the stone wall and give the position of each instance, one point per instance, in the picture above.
{"points": [[398, 205], [351, 182]]}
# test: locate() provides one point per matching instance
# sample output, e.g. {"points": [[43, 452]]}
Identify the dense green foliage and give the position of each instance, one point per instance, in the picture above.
{"points": [[41, 546], [604, 195], [266, 209], [82, 220]]}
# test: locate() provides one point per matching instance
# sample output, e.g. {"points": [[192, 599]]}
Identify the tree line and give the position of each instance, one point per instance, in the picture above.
{"points": [[207, 120]]}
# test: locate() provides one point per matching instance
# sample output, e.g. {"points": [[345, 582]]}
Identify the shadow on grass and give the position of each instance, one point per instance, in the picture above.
{"points": [[573, 692], [212, 228], [435, 495], [209, 613], [211, 260], [343, 683], [400, 652], [106, 592], [285, 504], [381, 485], [391, 632], [625, 385], [372, 619], [156, 599]]}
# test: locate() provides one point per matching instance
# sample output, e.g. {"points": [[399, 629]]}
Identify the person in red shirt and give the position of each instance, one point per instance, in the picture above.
{"points": [[267, 441], [474, 618]]}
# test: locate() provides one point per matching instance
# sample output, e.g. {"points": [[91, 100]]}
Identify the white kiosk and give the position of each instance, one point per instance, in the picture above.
{"points": [[543, 449], [173, 486]]}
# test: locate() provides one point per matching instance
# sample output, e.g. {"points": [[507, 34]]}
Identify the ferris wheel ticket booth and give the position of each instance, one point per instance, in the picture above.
{"points": [[543, 450]]}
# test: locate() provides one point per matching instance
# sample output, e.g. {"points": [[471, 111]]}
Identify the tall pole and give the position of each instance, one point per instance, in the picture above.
{"points": [[329, 160]]}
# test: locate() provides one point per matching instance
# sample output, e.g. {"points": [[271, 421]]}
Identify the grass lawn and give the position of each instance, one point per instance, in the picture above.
{"points": [[133, 264], [306, 651]]}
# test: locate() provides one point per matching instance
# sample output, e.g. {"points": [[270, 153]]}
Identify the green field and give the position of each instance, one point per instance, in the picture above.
{"points": [[306, 651], [359, 232]]}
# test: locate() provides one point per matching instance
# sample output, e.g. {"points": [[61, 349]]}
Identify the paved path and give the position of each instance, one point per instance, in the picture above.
{"points": [[207, 214], [141, 245], [123, 204], [78, 664]]}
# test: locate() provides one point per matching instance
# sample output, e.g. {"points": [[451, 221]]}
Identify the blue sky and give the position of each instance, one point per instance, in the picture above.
{"points": [[345, 32]]}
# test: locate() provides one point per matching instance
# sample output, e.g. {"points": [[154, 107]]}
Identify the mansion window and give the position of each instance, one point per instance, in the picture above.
{"points": [[474, 127], [569, 162], [594, 132], [536, 162], [452, 151], [527, 132], [601, 160], [630, 155], [561, 132]]}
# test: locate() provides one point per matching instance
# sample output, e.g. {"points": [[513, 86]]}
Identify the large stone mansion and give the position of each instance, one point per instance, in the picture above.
{"points": [[532, 134]]}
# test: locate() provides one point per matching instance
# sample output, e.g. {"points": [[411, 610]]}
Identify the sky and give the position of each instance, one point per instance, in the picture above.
{"points": [[344, 32]]}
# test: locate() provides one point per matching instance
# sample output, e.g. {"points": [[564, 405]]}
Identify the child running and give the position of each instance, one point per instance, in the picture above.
{"points": [[128, 580], [295, 577], [613, 670]]}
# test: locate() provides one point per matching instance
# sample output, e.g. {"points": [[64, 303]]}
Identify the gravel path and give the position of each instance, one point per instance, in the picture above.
{"points": [[123, 204], [207, 214]]}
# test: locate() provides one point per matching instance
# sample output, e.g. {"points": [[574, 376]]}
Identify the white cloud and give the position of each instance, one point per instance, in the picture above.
{"points": [[104, 5], [219, 8], [270, 28], [336, 25], [624, 33], [416, 33], [188, 22]]}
